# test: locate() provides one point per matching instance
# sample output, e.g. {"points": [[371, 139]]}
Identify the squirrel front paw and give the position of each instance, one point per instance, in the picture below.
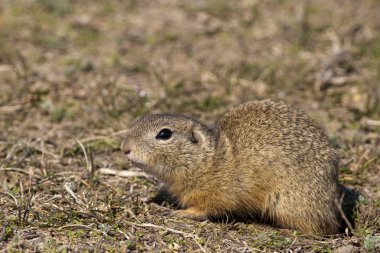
{"points": [[190, 213]]}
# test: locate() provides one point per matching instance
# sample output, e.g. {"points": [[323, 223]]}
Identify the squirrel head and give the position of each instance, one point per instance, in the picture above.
{"points": [[171, 147]]}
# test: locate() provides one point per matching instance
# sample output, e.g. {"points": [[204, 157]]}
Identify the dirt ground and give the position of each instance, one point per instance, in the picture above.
{"points": [[75, 74]]}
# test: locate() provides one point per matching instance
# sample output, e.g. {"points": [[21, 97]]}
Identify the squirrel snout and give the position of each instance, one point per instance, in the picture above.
{"points": [[125, 147]]}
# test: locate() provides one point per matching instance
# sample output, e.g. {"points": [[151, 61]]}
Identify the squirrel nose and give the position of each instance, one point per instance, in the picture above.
{"points": [[125, 147]]}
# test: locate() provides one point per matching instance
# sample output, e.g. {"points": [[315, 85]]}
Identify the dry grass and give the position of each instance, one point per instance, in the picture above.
{"points": [[74, 74]]}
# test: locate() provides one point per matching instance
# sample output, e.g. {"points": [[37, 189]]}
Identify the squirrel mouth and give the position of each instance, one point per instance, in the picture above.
{"points": [[135, 161], [141, 165], [144, 167], [138, 164]]}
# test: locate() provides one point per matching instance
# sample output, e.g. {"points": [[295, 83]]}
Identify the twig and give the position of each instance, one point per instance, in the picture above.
{"points": [[92, 167], [346, 220], [133, 215], [75, 226], [370, 122], [20, 206], [124, 234], [11, 152], [43, 158], [13, 197], [150, 225], [22, 171], [85, 155], [10, 109], [67, 188], [28, 207], [122, 173], [4, 230], [294, 241], [21, 191]]}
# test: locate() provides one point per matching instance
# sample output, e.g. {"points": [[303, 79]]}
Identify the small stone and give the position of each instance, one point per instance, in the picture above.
{"points": [[347, 249]]}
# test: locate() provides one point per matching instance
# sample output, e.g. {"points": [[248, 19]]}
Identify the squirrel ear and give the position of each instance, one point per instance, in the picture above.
{"points": [[198, 135]]}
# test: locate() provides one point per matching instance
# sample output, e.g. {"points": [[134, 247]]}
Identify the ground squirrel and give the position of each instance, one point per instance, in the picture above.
{"points": [[260, 158]]}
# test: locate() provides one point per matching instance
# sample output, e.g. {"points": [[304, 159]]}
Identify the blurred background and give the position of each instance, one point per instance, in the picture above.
{"points": [[102, 63], [86, 69]]}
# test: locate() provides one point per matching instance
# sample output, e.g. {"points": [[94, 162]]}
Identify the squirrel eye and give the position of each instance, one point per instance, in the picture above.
{"points": [[164, 134]]}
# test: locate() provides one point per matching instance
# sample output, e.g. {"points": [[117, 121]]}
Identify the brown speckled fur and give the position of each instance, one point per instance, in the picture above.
{"points": [[260, 158]]}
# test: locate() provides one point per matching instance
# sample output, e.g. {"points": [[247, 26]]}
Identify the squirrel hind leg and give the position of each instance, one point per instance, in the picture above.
{"points": [[310, 217], [309, 221]]}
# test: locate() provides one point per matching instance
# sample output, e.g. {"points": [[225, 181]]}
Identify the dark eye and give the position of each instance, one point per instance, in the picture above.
{"points": [[164, 134]]}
